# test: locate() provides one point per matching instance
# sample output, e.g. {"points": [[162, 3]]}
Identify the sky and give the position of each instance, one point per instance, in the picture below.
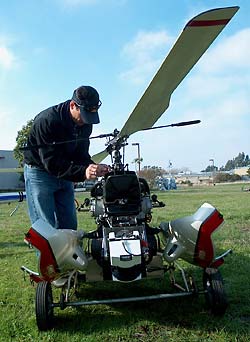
{"points": [[50, 47]]}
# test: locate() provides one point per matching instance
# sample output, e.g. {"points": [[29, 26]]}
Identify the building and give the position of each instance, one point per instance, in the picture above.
{"points": [[9, 180], [241, 171], [208, 178], [205, 178]]}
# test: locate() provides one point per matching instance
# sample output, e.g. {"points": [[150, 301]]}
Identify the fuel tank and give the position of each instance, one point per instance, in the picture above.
{"points": [[189, 238], [59, 249]]}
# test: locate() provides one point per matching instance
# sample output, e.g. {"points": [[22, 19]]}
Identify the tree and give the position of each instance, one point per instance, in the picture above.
{"points": [[247, 160], [210, 168], [150, 173], [225, 177], [21, 140], [240, 161], [137, 161]]}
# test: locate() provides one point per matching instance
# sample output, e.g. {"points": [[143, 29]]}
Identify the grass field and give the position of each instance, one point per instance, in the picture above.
{"points": [[159, 321]]}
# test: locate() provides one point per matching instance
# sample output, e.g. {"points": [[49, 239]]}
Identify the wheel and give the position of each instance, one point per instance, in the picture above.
{"points": [[62, 301], [43, 306], [215, 295]]}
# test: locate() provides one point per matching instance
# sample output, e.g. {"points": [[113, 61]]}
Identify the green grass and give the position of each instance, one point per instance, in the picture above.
{"points": [[166, 320]]}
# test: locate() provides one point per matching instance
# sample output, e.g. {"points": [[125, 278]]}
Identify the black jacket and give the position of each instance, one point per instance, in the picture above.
{"points": [[68, 161]]}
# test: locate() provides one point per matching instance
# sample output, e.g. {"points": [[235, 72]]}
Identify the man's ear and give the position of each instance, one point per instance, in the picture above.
{"points": [[71, 104]]}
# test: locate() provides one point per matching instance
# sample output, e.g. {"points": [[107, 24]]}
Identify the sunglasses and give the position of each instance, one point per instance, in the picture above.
{"points": [[90, 108]]}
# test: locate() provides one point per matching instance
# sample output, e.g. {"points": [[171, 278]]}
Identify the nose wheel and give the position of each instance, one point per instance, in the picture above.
{"points": [[215, 295], [44, 306]]}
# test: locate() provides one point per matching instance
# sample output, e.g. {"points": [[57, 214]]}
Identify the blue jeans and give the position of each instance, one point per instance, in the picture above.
{"points": [[50, 198]]}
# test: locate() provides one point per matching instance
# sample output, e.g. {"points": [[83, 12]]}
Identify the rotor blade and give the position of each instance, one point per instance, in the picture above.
{"points": [[7, 170], [197, 36], [97, 158], [56, 143], [186, 123], [179, 124]]}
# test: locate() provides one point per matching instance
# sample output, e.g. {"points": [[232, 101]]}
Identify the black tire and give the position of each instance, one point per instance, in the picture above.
{"points": [[215, 295], [43, 306]]}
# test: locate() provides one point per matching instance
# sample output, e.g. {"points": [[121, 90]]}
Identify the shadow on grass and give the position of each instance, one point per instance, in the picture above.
{"points": [[187, 313], [8, 249], [12, 244]]}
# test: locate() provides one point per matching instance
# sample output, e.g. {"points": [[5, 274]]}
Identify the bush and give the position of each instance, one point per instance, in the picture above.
{"points": [[225, 177], [21, 140], [187, 182]]}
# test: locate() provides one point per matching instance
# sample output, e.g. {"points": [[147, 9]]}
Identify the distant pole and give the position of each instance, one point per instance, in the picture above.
{"points": [[169, 167], [212, 161], [138, 155]]}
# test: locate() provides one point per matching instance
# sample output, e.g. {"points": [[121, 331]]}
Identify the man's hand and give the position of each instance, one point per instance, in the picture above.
{"points": [[96, 170]]}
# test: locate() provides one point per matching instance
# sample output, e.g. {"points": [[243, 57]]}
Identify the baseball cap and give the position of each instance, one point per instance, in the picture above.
{"points": [[87, 99]]}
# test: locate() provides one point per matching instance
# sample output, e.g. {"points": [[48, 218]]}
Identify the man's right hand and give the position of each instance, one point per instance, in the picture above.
{"points": [[96, 170]]}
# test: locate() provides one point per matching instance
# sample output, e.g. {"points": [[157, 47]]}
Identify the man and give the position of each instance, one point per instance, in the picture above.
{"points": [[52, 164]]}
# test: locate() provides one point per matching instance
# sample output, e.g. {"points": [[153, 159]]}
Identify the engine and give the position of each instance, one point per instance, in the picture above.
{"points": [[131, 191], [124, 243]]}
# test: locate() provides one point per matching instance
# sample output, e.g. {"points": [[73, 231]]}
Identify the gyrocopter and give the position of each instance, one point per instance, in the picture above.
{"points": [[123, 247]]}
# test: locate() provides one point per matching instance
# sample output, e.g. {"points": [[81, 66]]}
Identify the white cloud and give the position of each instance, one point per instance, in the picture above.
{"points": [[78, 3], [232, 52], [138, 73], [8, 129], [208, 86], [144, 53], [7, 58], [3, 114], [72, 3], [222, 78], [144, 44], [217, 92]]}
